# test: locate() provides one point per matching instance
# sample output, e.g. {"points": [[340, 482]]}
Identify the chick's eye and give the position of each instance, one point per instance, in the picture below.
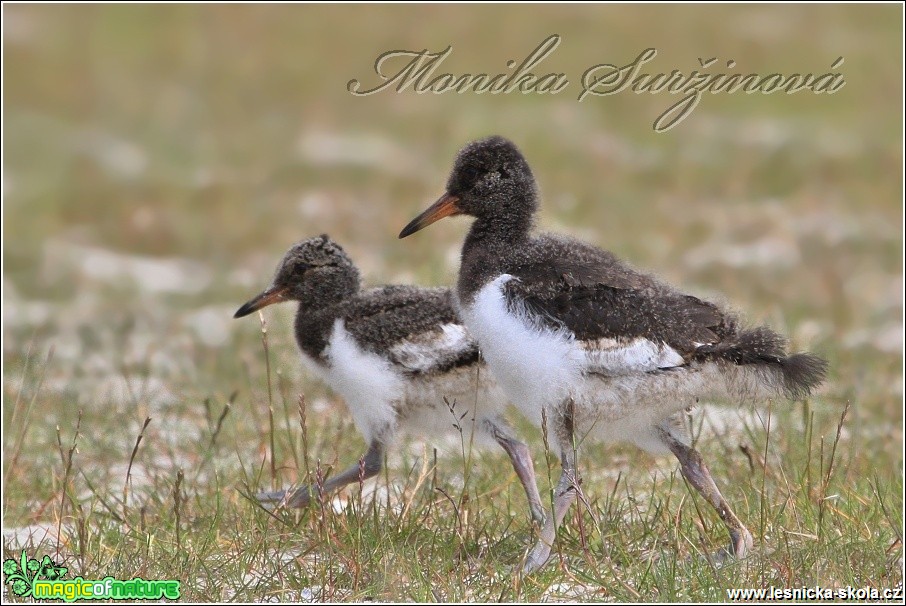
{"points": [[504, 173], [471, 176]]}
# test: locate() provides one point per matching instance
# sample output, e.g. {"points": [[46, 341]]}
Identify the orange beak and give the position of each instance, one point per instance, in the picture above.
{"points": [[446, 206], [268, 297]]}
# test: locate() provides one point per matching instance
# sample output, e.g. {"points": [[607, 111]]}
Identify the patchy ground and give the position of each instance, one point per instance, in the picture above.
{"points": [[160, 160]]}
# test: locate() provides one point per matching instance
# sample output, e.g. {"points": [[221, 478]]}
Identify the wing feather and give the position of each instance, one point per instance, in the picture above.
{"points": [[624, 319]]}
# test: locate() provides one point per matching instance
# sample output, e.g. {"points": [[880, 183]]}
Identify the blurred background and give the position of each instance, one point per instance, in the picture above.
{"points": [[159, 160]]}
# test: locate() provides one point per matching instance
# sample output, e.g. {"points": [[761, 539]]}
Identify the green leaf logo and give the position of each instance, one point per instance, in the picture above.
{"points": [[50, 571]]}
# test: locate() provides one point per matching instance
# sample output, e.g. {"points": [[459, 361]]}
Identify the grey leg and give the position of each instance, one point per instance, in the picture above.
{"points": [[367, 467], [565, 493], [522, 462], [696, 473]]}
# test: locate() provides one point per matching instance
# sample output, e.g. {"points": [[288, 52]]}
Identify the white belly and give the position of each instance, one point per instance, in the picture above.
{"points": [[452, 404]]}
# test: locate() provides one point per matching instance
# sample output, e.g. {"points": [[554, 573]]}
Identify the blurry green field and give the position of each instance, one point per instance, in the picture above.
{"points": [[158, 160]]}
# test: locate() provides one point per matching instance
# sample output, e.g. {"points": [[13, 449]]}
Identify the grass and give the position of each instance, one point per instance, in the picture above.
{"points": [[159, 160]]}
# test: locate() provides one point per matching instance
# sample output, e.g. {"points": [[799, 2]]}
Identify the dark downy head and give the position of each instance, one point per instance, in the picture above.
{"points": [[316, 272], [491, 181]]}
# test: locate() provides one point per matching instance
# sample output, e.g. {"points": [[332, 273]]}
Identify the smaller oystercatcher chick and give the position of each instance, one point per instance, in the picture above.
{"points": [[600, 350], [399, 357]]}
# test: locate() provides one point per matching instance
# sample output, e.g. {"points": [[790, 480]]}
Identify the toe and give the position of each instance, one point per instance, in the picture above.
{"points": [[537, 558]]}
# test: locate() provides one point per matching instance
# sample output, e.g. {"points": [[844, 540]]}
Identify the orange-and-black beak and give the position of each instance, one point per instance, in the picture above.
{"points": [[268, 297], [446, 206]]}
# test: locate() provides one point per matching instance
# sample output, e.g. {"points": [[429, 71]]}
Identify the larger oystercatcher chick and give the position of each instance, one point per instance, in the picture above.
{"points": [[600, 350]]}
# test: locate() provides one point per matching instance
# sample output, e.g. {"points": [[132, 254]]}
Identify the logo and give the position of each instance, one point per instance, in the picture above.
{"points": [[23, 574], [44, 580]]}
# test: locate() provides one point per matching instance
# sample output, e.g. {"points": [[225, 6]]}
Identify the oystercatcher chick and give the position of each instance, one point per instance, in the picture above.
{"points": [[399, 357], [600, 350]]}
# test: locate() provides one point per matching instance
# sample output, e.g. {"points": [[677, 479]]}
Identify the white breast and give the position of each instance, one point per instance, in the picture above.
{"points": [[534, 365], [366, 381]]}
